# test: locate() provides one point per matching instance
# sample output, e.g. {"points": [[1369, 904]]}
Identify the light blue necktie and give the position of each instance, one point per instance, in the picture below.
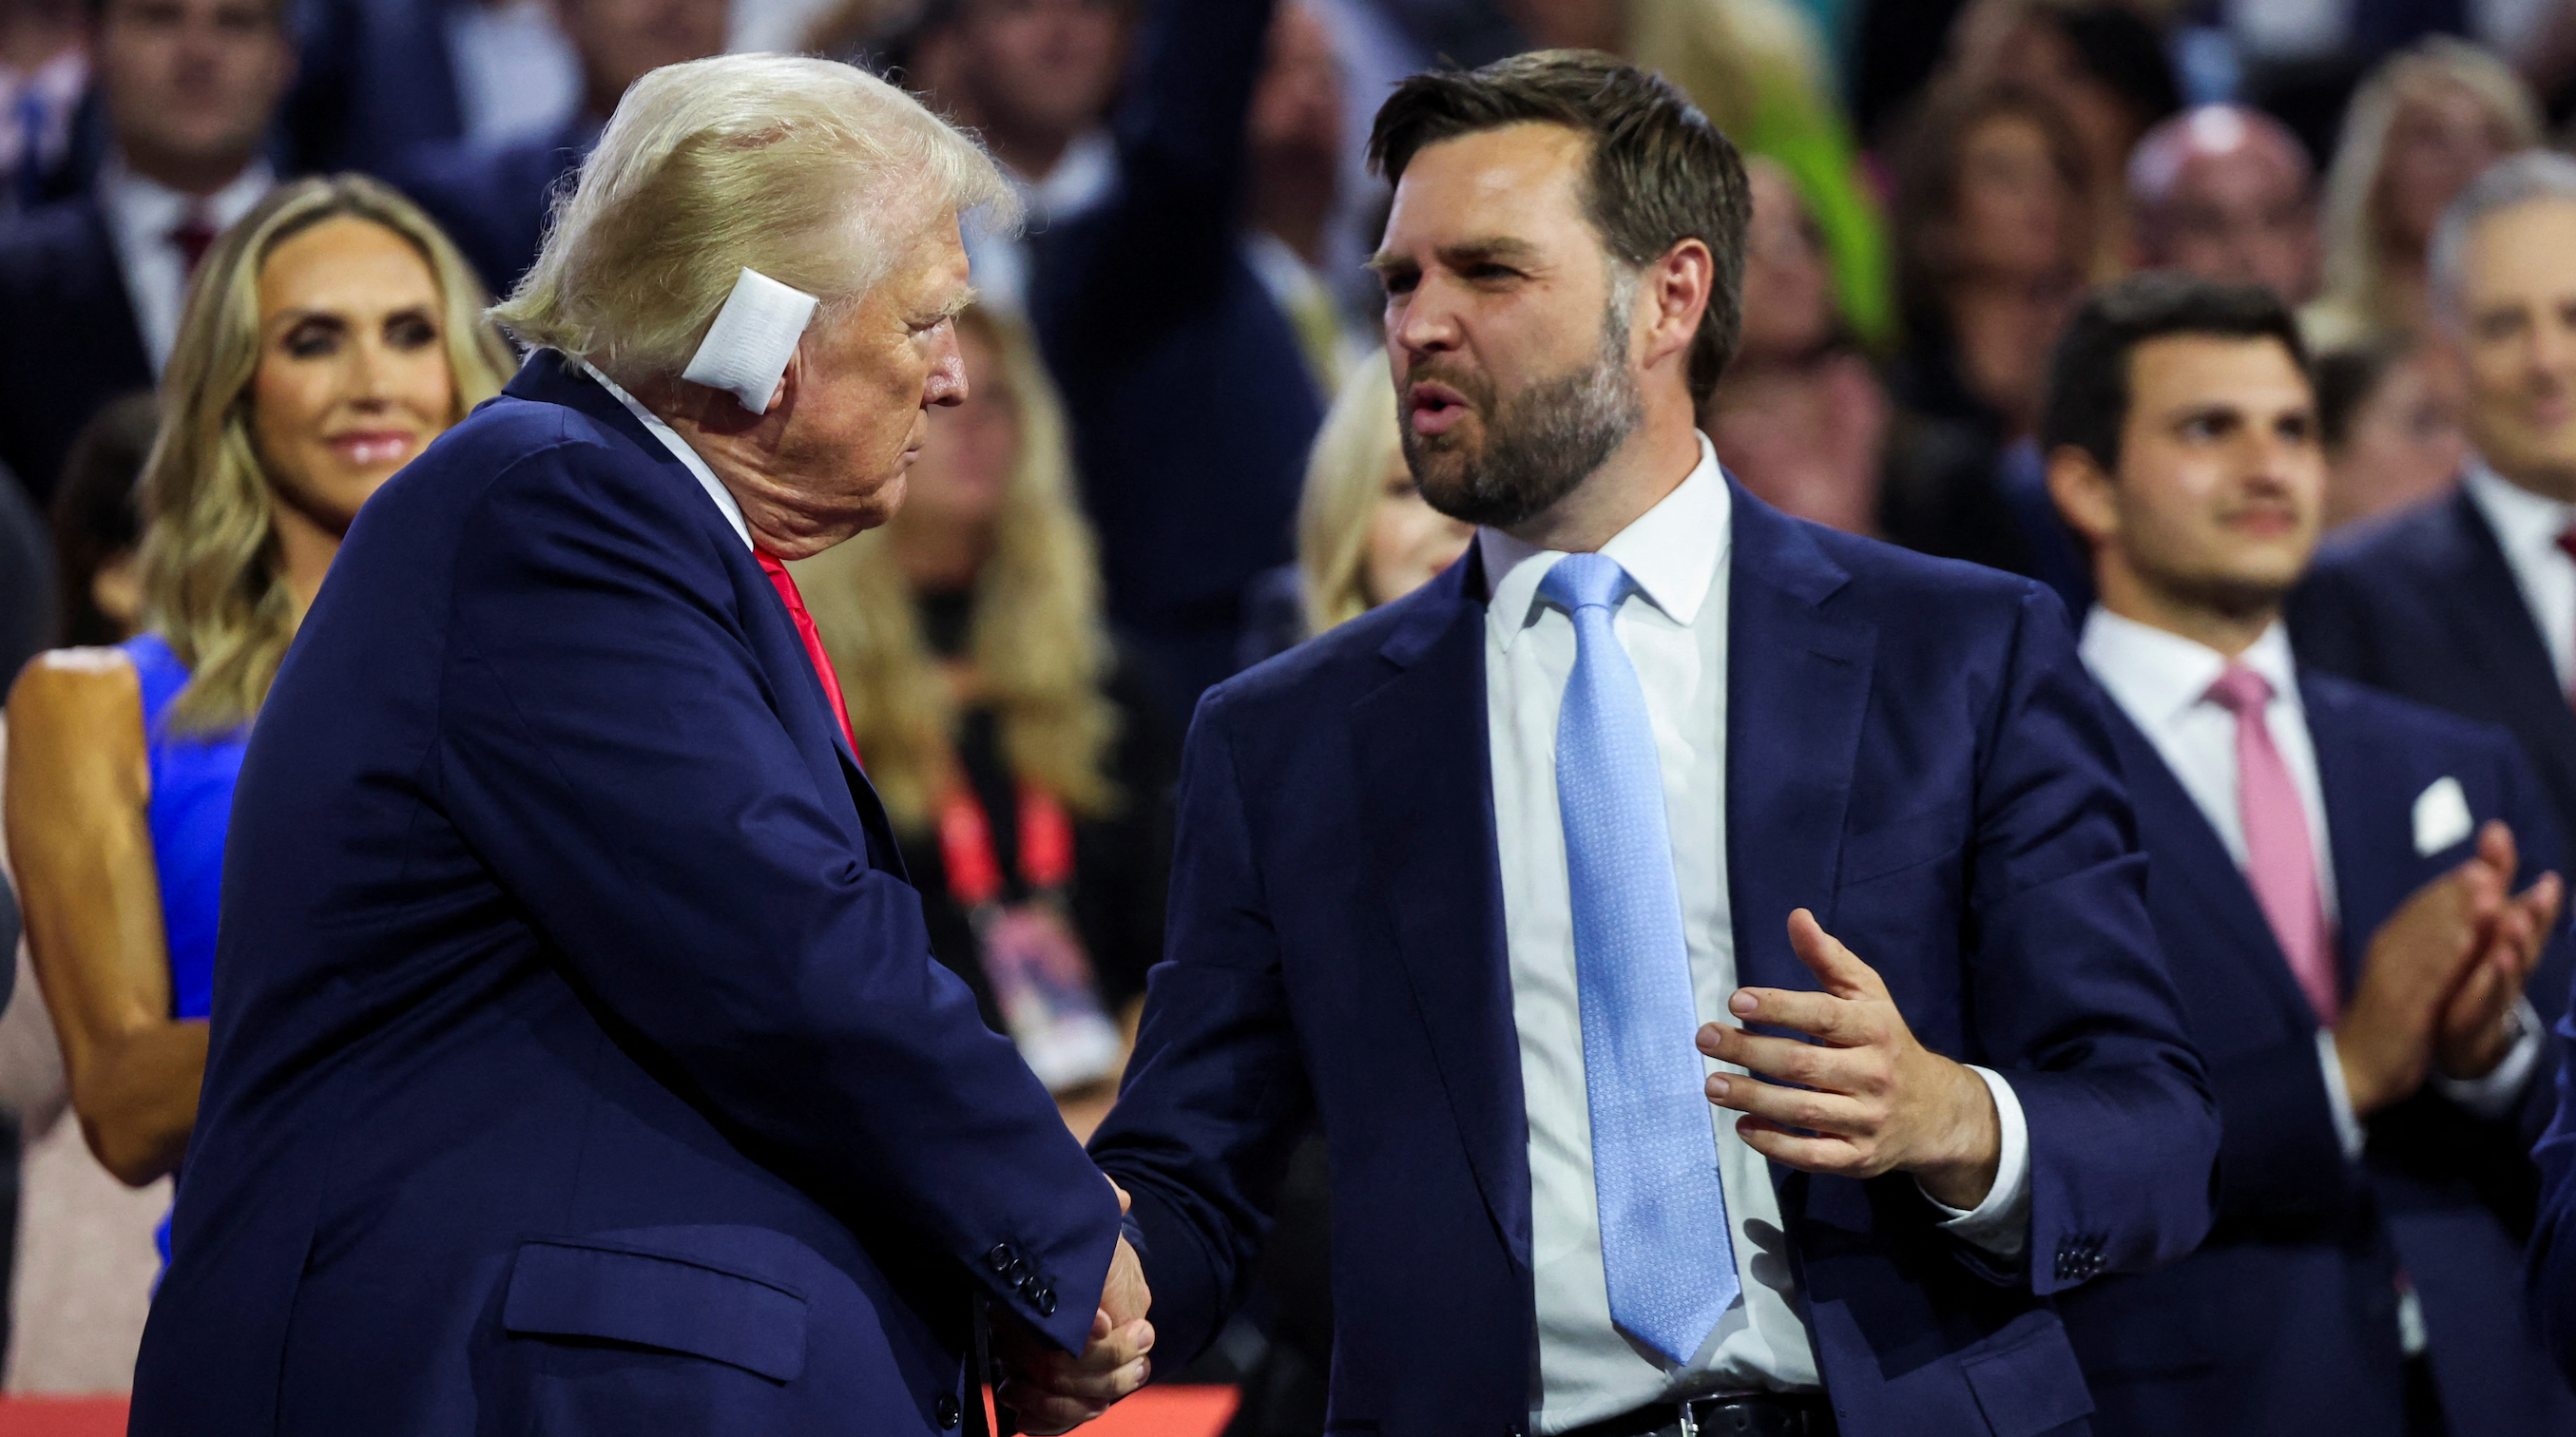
{"points": [[1665, 1243]]}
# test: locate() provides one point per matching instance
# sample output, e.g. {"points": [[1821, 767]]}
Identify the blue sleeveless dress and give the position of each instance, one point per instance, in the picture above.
{"points": [[192, 801]]}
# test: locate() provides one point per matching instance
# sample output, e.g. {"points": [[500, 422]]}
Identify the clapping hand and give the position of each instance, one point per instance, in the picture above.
{"points": [[1870, 1098], [2471, 1032], [1051, 1391]]}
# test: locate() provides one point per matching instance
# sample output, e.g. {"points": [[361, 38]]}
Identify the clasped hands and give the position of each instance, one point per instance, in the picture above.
{"points": [[1868, 1099], [1050, 1390], [2439, 983]]}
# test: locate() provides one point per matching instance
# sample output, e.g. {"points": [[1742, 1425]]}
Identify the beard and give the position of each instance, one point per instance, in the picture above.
{"points": [[1539, 445]]}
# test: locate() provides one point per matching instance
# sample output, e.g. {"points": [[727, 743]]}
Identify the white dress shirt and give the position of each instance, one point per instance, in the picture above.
{"points": [[2161, 681], [679, 447], [1675, 633], [1082, 176], [141, 214], [517, 76], [2527, 527]]}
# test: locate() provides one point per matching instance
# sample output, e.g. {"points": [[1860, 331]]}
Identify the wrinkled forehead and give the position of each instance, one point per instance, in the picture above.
{"points": [[1523, 183]]}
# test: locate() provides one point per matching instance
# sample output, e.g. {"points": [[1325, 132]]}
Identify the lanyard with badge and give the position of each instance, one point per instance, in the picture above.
{"points": [[1041, 978]]}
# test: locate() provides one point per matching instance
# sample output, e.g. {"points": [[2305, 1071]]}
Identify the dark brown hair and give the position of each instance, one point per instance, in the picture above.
{"points": [[1928, 161], [1659, 173], [96, 514], [2088, 373]]}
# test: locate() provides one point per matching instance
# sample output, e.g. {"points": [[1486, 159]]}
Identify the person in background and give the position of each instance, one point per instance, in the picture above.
{"points": [[2102, 64], [50, 126], [336, 334], [1799, 417], [2422, 125], [1034, 78], [2468, 602], [1995, 236], [492, 198], [1365, 535], [91, 287], [1154, 293], [378, 79], [1020, 757], [2353, 892], [2389, 411], [2227, 193], [98, 526]]}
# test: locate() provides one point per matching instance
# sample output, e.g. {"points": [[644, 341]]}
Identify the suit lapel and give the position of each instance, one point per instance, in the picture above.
{"points": [[2186, 851], [548, 377], [2484, 610], [1426, 791], [1797, 692], [2365, 804]]}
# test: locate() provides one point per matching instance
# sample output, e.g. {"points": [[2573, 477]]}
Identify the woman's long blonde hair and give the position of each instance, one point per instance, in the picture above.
{"points": [[1345, 478], [1038, 645], [2355, 299], [213, 586]]}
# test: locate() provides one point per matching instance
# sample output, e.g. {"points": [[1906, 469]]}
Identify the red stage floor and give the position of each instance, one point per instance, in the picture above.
{"points": [[1157, 1412]]}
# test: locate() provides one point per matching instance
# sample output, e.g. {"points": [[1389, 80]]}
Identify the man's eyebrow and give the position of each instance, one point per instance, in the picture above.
{"points": [[1490, 248]]}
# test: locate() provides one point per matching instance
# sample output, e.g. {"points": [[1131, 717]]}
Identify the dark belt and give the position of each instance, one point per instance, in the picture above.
{"points": [[1760, 1414]]}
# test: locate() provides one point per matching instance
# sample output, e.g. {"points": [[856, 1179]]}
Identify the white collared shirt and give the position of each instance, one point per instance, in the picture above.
{"points": [[1675, 632], [517, 76], [679, 447], [2161, 681], [1083, 174], [141, 214], [2527, 527]]}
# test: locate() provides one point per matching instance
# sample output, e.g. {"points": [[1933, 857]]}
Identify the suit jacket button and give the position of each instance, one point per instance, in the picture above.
{"points": [[947, 1410], [999, 1259], [1046, 1302]]}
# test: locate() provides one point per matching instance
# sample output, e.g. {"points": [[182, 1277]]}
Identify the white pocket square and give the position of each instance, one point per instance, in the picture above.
{"points": [[2441, 817]]}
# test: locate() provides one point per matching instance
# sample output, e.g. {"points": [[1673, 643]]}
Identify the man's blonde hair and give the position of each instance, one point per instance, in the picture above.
{"points": [[812, 172]]}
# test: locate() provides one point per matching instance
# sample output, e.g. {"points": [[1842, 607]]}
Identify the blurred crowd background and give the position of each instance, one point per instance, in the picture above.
{"points": [[1180, 454]]}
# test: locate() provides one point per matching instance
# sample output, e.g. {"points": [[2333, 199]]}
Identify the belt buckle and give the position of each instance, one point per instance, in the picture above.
{"points": [[1690, 1420]]}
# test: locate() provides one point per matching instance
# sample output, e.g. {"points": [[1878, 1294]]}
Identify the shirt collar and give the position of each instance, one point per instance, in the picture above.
{"points": [[147, 210], [2527, 525], [2157, 676], [1671, 551], [680, 450]]}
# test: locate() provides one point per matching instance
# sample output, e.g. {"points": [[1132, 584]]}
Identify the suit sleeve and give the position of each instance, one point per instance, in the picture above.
{"points": [[610, 747], [2553, 1237], [2071, 998], [1216, 1095]]}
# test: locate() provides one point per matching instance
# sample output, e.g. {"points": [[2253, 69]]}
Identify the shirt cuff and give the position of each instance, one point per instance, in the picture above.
{"points": [[2493, 1096], [2347, 1123], [2000, 1224]]}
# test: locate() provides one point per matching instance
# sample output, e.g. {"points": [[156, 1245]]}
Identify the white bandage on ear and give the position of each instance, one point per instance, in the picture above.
{"points": [[755, 334]]}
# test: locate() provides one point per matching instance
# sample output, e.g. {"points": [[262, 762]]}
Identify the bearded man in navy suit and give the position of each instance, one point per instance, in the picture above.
{"points": [[2380, 1074], [1523, 885]]}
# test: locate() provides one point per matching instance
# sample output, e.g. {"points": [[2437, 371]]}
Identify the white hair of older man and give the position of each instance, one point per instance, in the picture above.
{"points": [[811, 172], [2510, 183]]}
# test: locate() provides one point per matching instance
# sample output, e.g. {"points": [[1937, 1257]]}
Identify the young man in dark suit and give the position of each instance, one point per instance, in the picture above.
{"points": [[1522, 885], [91, 287], [2353, 896], [2468, 603]]}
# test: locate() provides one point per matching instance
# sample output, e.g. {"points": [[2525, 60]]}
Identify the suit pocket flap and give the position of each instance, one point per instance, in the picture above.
{"points": [[2027, 1382], [651, 1300]]}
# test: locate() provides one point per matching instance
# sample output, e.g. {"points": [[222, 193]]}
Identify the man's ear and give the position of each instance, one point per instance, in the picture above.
{"points": [[2084, 493], [1675, 292]]}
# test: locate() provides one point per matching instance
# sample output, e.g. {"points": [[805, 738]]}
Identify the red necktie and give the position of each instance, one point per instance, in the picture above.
{"points": [[193, 235], [785, 583]]}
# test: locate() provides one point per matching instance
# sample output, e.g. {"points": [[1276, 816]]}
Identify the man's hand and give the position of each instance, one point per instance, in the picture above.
{"points": [[1052, 1392], [1872, 1098], [2384, 1040], [2473, 1033]]}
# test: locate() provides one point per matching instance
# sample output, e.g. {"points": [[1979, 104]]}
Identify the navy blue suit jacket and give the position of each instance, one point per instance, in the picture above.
{"points": [[1912, 751], [2423, 605], [579, 1061], [2553, 1238], [493, 199], [69, 341], [1189, 399], [2286, 1319], [374, 81]]}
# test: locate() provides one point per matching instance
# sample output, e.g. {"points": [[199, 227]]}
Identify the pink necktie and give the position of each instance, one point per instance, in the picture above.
{"points": [[2280, 857]]}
